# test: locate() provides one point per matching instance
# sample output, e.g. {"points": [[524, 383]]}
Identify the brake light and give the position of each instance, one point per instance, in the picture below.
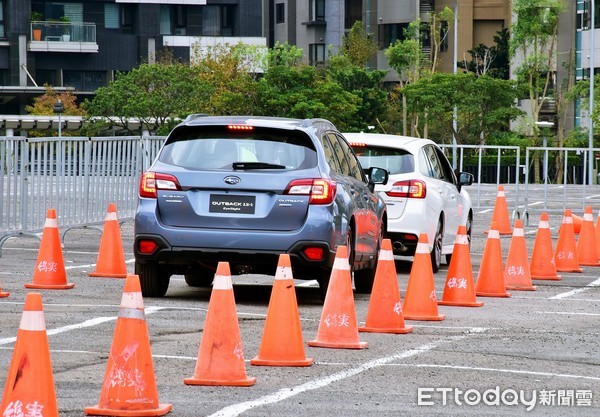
{"points": [[314, 253], [319, 190], [151, 182], [358, 144], [408, 189], [147, 246], [240, 127]]}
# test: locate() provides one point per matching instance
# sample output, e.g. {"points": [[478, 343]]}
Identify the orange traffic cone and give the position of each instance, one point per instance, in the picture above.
{"points": [[282, 343], [220, 356], [384, 314], [517, 274], [338, 328], [3, 294], [129, 387], [459, 289], [577, 223], [420, 302], [490, 279], [29, 387], [565, 257], [542, 265], [587, 253], [111, 259], [597, 234], [500, 215], [50, 271]]}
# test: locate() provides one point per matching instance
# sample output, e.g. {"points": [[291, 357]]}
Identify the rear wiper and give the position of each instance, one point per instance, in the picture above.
{"points": [[256, 165]]}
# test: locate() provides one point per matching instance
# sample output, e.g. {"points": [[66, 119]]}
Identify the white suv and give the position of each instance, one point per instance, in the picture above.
{"points": [[423, 194]]}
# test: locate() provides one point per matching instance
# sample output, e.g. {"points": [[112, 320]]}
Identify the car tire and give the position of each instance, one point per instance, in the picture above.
{"points": [[436, 252], [153, 280], [202, 277]]}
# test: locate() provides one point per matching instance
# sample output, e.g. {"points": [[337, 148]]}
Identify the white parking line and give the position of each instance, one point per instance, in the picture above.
{"points": [[568, 313], [285, 393], [484, 211], [577, 290], [537, 203], [593, 196], [509, 371], [88, 323]]}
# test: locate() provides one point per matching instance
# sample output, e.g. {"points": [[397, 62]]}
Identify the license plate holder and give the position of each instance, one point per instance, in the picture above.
{"points": [[232, 204]]}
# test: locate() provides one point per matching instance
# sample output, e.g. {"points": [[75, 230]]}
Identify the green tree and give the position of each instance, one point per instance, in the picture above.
{"points": [[490, 60], [358, 45], [44, 106], [533, 41]]}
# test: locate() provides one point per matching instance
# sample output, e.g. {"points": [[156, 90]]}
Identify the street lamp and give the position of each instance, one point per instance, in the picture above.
{"points": [[549, 125], [59, 108]]}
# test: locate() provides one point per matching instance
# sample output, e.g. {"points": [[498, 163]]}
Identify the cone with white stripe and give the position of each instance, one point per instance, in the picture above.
{"points": [[220, 356], [500, 216], [49, 272], [565, 256], [338, 328], [459, 289], [542, 265], [420, 302], [587, 253], [29, 387], [490, 279], [129, 387], [385, 306], [282, 343], [517, 274], [111, 258]]}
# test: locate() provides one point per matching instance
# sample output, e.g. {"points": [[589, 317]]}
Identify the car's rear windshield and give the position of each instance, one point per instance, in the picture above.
{"points": [[396, 161], [217, 148]]}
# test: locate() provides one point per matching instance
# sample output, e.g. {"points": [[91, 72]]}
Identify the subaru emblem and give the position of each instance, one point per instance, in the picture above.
{"points": [[232, 180]]}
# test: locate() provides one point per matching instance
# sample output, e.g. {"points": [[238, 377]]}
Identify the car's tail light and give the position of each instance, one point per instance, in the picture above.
{"points": [[314, 253], [408, 189], [147, 246], [240, 127], [319, 190], [151, 182]]}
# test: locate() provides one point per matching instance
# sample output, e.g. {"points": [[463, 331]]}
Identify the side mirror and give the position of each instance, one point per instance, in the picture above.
{"points": [[465, 178], [377, 175]]}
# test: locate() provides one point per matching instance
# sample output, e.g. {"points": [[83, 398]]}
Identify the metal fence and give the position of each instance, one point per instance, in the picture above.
{"points": [[80, 176], [77, 176]]}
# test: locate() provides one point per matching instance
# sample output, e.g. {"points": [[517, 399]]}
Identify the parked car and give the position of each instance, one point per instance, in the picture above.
{"points": [[423, 194], [247, 189]]}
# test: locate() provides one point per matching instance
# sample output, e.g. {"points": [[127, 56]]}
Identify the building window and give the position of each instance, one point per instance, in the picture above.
{"points": [[353, 13], [389, 34], [280, 13], [218, 20], [583, 16], [84, 80], [58, 10], [316, 10], [2, 31], [316, 54], [444, 37], [111, 16], [173, 20]]}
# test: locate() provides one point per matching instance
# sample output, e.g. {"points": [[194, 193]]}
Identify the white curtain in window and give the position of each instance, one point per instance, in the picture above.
{"points": [[165, 20], [111, 16], [210, 21], [74, 11]]}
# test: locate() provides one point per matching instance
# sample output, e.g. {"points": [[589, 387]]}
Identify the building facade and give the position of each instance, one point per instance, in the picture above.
{"points": [[80, 45]]}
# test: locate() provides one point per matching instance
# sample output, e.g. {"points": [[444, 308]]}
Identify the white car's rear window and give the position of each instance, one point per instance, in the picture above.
{"points": [[396, 161]]}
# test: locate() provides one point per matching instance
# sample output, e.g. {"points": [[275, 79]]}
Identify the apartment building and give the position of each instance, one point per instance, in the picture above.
{"points": [[79, 45]]}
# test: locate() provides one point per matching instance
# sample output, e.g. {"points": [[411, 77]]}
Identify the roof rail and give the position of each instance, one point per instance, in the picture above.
{"points": [[194, 116]]}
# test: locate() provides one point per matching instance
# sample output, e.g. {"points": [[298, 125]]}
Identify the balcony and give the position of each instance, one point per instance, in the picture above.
{"points": [[47, 36]]}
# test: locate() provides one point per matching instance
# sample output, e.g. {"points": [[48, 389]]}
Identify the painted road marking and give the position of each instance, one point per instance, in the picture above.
{"points": [[568, 313], [484, 211], [576, 291], [285, 393]]}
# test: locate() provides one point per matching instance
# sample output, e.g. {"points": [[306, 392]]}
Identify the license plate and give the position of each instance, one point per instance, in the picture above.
{"points": [[236, 204]]}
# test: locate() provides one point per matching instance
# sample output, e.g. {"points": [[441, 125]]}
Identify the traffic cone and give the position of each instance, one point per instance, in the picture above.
{"points": [[338, 328], [500, 216], [517, 274], [3, 294], [565, 256], [542, 265], [384, 314], [420, 302], [578, 223], [597, 234], [490, 279], [129, 387], [220, 356], [111, 258], [587, 253], [282, 343], [459, 289], [50, 271], [29, 386]]}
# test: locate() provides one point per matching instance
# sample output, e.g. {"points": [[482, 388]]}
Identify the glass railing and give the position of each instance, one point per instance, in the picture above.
{"points": [[47, 31]]}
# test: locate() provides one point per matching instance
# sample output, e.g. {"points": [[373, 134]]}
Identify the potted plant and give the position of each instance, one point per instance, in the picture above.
{"points": [[36, 32], [66, 37]]}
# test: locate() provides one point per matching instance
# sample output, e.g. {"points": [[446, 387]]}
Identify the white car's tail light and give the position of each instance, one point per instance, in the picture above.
{"points": [[321, 191], [408, 189], [151, 182]]}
